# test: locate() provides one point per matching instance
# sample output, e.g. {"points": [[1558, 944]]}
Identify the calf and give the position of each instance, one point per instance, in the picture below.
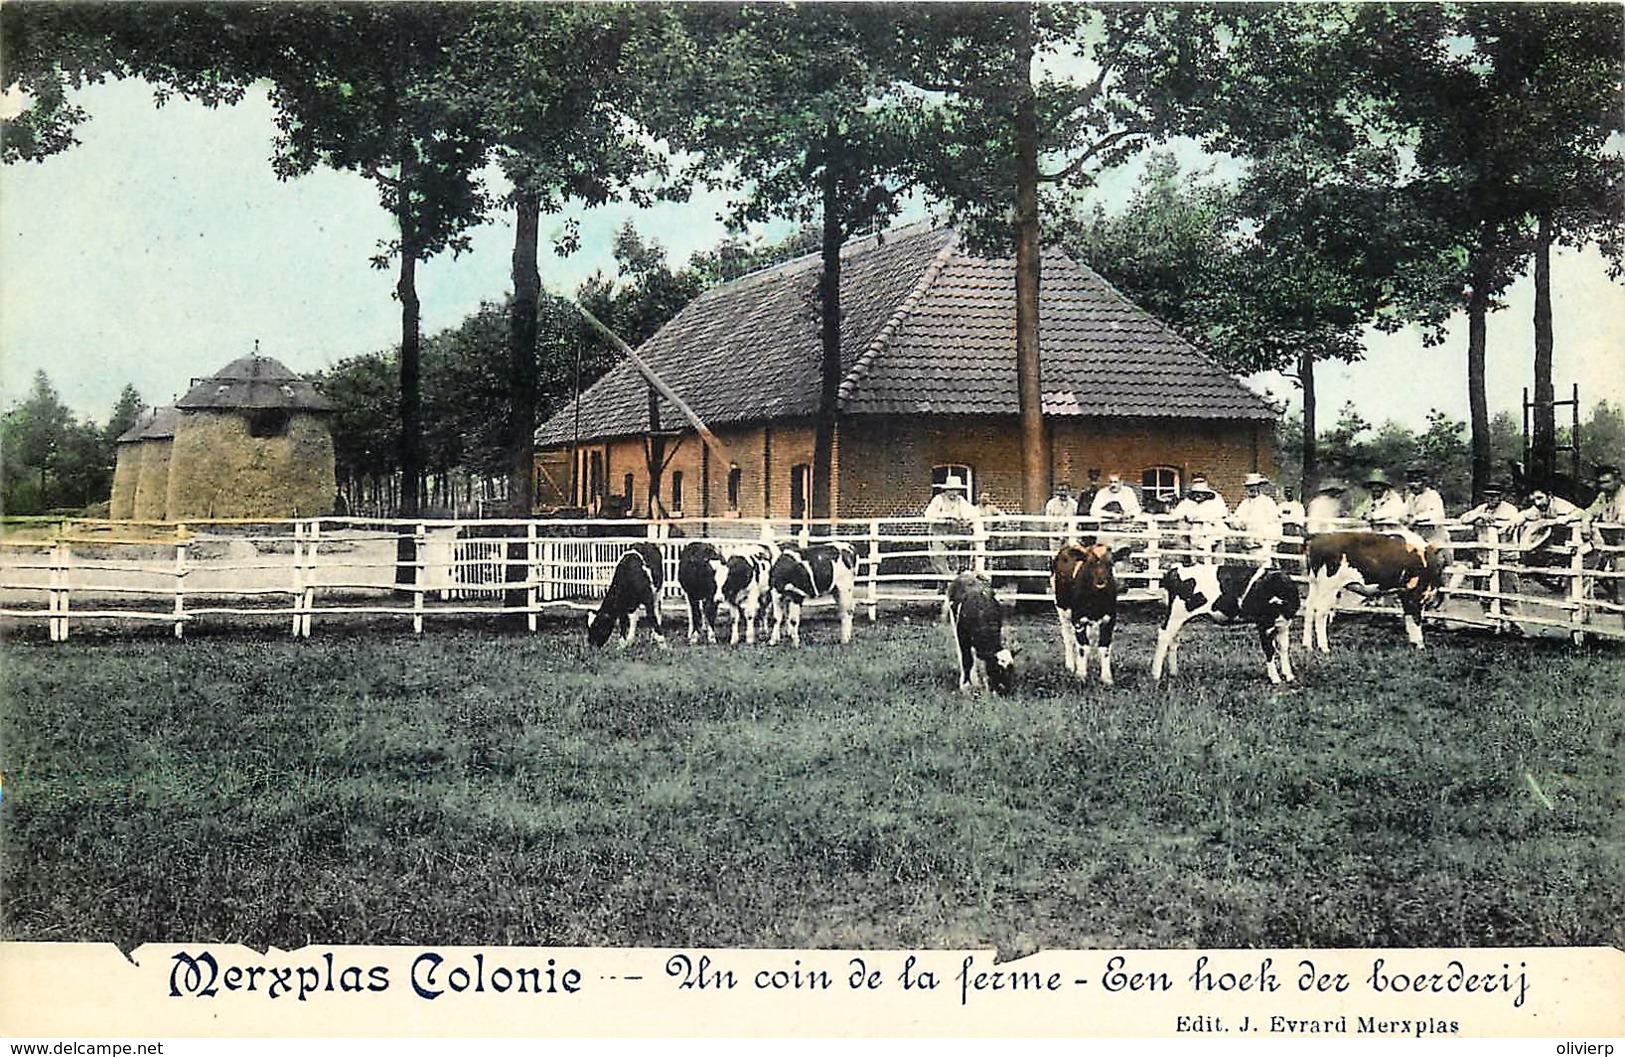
{"points": [[745, 585], [1085, 591], [1260, 595], [1369, 563], [701, 571], [977, 624], [635, 583], [799, 575]]}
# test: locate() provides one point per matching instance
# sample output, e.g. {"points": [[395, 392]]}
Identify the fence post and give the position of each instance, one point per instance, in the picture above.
{"points": [[58, 595], [180, 583], [1493, 582], [298, 599], [1578, 616], [419, 576], [532, 575], [312, 542], [874, 569]]}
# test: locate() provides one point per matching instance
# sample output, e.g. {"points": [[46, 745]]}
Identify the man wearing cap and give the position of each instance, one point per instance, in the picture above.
{"points": [[1424, 510], [1487, 519], [1607, 511], [950, 513], [1325, 509], [1384, 510], [1086, 495], [1115, 502], [1257, 518], [1204, 510], [1609, 506], [1061, 509]]}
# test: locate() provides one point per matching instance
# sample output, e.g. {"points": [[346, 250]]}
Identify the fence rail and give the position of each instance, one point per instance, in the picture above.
{"points": [[309, 570]]}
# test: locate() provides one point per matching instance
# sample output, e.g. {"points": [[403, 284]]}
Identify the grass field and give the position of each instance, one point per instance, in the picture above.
{"points": [[471, 786]]}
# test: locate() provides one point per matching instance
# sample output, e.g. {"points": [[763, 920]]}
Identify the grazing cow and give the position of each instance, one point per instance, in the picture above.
{"points": [[1260, 595], [1085, 591], [745, 585], [801, 574], [1369, 563], [701, 570], [635, 583], [976, 621]]}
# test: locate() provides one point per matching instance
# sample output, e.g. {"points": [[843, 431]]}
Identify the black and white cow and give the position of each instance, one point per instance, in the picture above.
{"points": [[1085, 591], [701, 570], [1369, 563], [635, 584], [802, 574], [976, 621], [1260, 595], [746, 585]]}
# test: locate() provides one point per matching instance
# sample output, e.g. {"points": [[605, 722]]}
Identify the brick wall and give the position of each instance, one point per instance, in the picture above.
{"points": [[887, 469], [883, 463]]}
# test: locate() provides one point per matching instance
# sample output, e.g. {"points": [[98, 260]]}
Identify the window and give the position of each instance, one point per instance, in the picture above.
{"points": [[1160, 483], [735, 476], [626, 489], [595, 478], [676, 491], [800, 487], [940, 475], [267, 421]]}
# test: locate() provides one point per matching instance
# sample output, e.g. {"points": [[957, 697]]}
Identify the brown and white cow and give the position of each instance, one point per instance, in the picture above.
{"points": [[635, 584], [976, 622], [800, 574], [1260, 595], [1368, 563], [1085, 591]]}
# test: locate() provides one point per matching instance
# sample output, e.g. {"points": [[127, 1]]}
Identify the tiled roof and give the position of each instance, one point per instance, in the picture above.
{"points": [[925, 328], [254, 381]]}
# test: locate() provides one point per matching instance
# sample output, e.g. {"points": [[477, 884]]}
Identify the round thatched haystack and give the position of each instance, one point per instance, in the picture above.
{"points": [[251, 441], [127, 468], [152, 454]]}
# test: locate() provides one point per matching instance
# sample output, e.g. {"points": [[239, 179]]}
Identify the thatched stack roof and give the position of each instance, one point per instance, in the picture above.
{"points": [[253, 381]]}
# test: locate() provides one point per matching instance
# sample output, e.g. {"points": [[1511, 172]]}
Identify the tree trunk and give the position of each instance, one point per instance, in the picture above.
{"points": [[1543, 439], [411, 369], [527, 292], [1478, 308], [1310, 479], [829, 301], [1035, 460]]}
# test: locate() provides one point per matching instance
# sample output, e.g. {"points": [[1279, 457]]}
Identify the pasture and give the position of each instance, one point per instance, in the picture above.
{"points": [[371, 786]]}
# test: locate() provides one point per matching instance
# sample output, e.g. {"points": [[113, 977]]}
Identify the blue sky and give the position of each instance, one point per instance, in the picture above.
{"points": [[163, 247]]}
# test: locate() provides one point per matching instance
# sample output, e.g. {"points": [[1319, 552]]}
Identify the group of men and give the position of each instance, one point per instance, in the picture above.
{"points": [[1260, 521]]}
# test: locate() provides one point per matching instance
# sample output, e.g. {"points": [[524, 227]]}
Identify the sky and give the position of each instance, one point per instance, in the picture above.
{"points": [[162, 247]]}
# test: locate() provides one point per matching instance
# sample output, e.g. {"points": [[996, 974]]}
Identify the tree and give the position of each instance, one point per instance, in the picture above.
{"points": [[1561, 70], [556, 91], [353, 88], [126, 410], [1036, 101], [49, 458], [1508, 113], [798, 112]]}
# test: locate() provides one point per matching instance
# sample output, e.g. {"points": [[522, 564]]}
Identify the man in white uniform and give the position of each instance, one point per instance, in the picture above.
{"points": [[950, 513], [1325, 509], [1258, 519], [1204, 510], [1115, 502], [1060, 510]]}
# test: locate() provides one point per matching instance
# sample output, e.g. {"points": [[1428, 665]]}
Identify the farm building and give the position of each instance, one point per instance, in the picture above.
{"points": [[929, 389], [251, 440], [146, 448]]}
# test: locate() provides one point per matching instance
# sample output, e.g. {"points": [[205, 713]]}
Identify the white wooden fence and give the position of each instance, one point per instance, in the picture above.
{"points": [[314, 570]]}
